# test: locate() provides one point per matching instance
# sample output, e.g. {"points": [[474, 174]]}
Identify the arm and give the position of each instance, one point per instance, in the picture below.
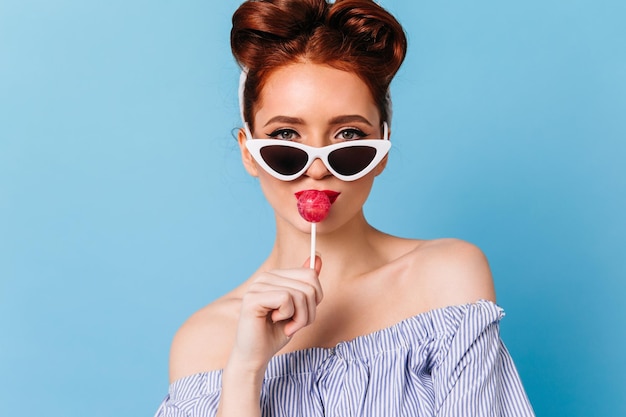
{"points": [[474, 374], [477, 377], [275, 307], [240, 336]]}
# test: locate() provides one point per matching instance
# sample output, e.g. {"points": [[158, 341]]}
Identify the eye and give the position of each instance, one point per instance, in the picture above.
{"points": [[351, 134], [284, 134]]}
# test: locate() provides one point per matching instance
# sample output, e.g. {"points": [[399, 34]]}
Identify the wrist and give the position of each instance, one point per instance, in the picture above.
{"points": [[241, 389], [241, 370]]}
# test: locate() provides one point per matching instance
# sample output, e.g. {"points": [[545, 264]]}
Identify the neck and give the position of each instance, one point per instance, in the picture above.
{"points": [[349, 251]]}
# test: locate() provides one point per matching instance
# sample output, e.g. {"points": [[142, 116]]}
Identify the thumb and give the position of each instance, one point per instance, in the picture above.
{"points": [[318, 263]]}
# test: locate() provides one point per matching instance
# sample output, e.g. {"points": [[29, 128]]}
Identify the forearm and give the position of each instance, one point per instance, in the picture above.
{"points": [[276, 305], [241, 391]]}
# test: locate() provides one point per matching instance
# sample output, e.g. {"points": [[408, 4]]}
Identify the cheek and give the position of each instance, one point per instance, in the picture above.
{"points": [[278, 193], [352, 198]]}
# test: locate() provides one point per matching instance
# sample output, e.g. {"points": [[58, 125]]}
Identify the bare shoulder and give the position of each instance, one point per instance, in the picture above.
{"points": [[451, 272], [204, 341]]}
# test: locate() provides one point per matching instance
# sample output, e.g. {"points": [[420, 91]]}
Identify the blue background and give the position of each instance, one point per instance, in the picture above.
{"points": [[124, 207]]}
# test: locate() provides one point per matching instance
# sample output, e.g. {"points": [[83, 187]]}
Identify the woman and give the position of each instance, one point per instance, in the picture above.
{"points": [[381, 325]]}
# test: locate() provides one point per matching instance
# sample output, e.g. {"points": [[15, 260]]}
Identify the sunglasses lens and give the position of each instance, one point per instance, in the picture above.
{"points": [[283, 159], [352, 160]]}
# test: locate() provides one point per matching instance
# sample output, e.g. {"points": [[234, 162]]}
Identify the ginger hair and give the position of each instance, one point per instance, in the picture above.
{"points": [[357, 36]]}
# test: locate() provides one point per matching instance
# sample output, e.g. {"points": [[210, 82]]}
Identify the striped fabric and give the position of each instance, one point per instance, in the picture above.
{"points": [[446, 362]]}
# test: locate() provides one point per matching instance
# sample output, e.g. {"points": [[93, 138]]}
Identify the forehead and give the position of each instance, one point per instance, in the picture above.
{"points": [[314, 92]]}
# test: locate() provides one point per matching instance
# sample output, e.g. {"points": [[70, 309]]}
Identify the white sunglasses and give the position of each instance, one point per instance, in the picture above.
{"points": [[348, 161]]}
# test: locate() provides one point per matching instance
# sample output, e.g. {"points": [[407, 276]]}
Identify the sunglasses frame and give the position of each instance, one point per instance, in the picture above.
{"points": [[381, 146]]}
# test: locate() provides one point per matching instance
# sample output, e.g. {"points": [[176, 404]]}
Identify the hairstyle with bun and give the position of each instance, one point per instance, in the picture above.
{"points": [[351, 35]]}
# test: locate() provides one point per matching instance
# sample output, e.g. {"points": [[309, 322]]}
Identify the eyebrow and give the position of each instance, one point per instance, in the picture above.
{"points": [[285, 119], [348, 118]]}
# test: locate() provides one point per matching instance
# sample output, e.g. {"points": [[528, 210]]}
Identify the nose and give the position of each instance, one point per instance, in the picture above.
{"points": [[317, 170]]}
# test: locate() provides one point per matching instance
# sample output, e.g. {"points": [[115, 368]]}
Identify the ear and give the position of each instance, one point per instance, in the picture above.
{"points": [[246, 158]]}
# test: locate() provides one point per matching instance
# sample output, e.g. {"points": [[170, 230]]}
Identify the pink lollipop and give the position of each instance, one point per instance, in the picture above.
{"points": [[313, 206]]}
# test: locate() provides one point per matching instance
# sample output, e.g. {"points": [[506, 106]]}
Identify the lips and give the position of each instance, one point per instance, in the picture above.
{"points": [[332, 195]]}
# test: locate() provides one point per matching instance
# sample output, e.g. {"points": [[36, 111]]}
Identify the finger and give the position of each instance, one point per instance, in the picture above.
{"points": [[263, 302], [318, 264], [302, 301], [304, 280], [294, 278], [280, 303], [292, 328], [318, 269], [315, 279], [294, 287], [285, 311], [300, 313]]}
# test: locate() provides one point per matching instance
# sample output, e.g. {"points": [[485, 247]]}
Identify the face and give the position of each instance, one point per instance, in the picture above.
{"points": [[315, 105]]}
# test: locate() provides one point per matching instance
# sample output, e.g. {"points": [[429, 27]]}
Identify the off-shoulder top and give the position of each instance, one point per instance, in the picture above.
{"points": [[445, 362]]}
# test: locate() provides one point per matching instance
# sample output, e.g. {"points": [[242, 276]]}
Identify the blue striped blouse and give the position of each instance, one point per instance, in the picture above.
{"points": [[445, 362]]}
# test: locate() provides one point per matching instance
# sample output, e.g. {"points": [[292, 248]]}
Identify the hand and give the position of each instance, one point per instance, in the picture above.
{"points": [[277, 305]]}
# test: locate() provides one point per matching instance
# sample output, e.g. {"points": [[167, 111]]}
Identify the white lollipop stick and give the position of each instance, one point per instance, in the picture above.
{"points": [[313, 206], [312, 260]]}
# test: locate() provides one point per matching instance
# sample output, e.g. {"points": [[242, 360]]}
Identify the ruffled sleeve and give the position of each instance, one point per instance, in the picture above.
{"points": [[475, 375], [195, 395]]}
